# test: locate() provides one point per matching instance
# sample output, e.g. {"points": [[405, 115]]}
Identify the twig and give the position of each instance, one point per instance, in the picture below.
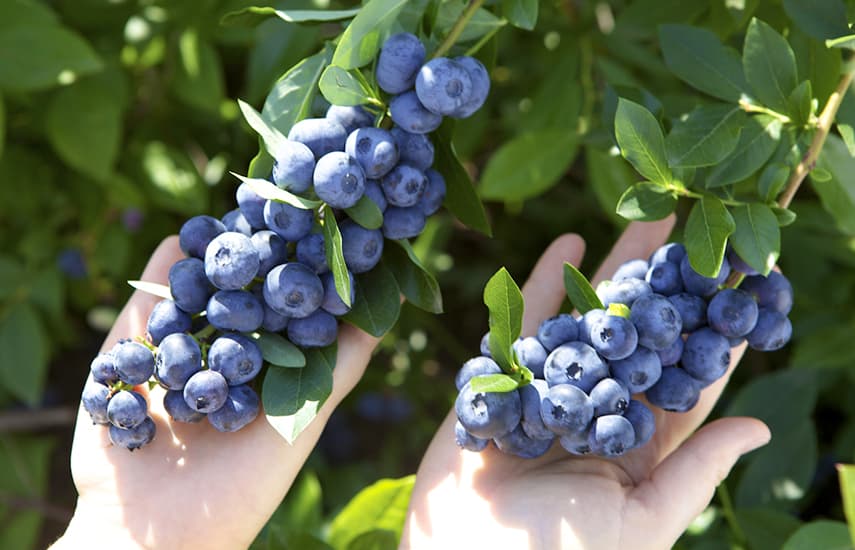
{"points": [[458, 27], [39, 419]]}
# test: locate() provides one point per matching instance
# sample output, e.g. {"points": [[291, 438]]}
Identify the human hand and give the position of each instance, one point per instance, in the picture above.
{"points": [[192, 487], [644, 499]]}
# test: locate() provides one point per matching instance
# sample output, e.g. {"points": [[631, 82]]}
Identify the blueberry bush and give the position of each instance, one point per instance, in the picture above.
{"points": [[120, 120]]}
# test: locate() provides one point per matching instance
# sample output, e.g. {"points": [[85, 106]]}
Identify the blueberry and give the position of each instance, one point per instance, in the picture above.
{"points": [[772, 292], [134, 362], [332, 302], [293, 289], [178, 409], [273, 320], [374, 192], [675, 391], [518, 443], [126, 409], [632, 269], [241, 407], [415, 150], [339, 180], [404, 185], [231, 262], [311, 252], [642, 420], [480, 86], [178, 358], [772, 332], [135, 438], [738, 264], [487, 415], [399, 61], [206, 391], [403, 223], [320, 135], [467, 441], [671, 252], [531, 354], [272, 251], [484, 346], [475, 367], [362, 247], [374, 149], [566, 409], [576, 443], [408, 113], [614, 337], [293, 167], [671, 355], [531, 422], [189, 285], [236, 357], [558, 330], [697, 284], [657, 321], [167, 318], [350, 117], [71, 262], [251, 205], [197, 232], [95, 400], [706, 355], [236, 310], [103, 369], [586, 322], [611, 435], [623, 292], [443, 86], [575, 363], [692, 310], [236, 222], [732, 313], [434, 193], [289, 222], [318, 330], [664, 278], [639, 371]]}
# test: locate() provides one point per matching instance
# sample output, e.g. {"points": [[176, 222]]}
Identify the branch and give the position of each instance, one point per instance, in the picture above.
{"points": [[457, 29]]}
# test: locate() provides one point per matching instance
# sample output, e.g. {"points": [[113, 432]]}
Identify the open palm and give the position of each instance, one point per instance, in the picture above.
{"points": [[644, 499], [192, 487]]}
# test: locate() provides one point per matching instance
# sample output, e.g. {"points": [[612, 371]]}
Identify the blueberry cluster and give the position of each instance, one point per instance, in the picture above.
{"points": [[666, 332]]}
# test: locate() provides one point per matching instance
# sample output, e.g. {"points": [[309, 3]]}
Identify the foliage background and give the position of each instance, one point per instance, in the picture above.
{"points": [[118, 120]]}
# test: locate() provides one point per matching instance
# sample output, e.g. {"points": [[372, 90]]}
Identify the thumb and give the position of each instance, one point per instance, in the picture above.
{"points": [[683, 484]]}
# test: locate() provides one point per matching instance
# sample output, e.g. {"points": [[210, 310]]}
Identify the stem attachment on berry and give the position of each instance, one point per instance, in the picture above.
{"points": [[457, 29]]}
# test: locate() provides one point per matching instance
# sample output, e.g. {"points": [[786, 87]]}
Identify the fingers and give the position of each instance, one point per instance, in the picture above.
{"points": [[544, 289], [683, 484], [639, 240]]}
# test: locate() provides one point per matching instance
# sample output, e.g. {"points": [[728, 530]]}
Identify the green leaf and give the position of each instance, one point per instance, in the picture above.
{"points": [[199, 80], [341, 87], [646, 201], [816, 63], [415, 282], [762, 397], [335, 257], [26, 12], [504, 301], [528, 165], [25, 463], [254, 15], [378, 301], [366, 213], [84, 125], [609, 177], [291, 98], [482, 23], [847, 134], [261, 165], [641, 142], [270, 191], [581, 294], [460, 198], [707, 229], [825, 534], [699, 59], [155, 289], [280, 352], [759, 139], [770, 65], [175, 183], [784, 216], [521, 13], [838, 194], [274, 140], [706, 136], [12, 276], [766, 527], [496, 383], [801, 103], [360, 42], [48, 292], [847, 489], [757, 238], [376, 539], [821, 20], [292, 397], [2, 125], [772, 181], [23, 368], [381, 505]]}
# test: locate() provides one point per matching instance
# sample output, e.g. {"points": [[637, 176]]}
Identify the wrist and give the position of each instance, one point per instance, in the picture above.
{"points": [[93, 530]]}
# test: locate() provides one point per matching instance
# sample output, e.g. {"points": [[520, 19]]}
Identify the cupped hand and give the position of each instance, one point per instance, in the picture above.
{"points": [[644, 499], [192, 487]]}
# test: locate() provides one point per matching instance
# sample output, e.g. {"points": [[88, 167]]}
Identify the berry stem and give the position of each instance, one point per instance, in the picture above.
{"points": [[752, 108], [823, 126], [205, 332], [730, 516], [457, 29]]}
